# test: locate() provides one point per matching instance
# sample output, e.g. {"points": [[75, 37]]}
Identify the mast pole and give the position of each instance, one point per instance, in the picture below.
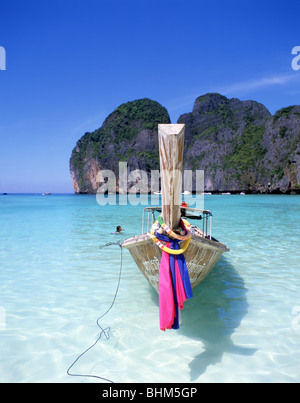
{"points": [[171, 144]]}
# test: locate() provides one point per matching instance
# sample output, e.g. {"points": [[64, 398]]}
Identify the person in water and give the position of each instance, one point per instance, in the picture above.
{"points": [[119, 229]]}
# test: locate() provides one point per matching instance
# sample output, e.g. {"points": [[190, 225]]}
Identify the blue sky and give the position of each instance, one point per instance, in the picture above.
{"points": [[71, 63]]}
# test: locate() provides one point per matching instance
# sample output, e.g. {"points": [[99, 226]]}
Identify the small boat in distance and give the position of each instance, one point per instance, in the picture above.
{"points": [[46, 194], [203, 250]]}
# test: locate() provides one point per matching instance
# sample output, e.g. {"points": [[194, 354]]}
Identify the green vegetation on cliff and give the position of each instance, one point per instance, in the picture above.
{"points": [[247, 151]]}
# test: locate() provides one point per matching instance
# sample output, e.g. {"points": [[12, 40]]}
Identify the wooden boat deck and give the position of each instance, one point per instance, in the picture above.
{"points": [[201, 256]]}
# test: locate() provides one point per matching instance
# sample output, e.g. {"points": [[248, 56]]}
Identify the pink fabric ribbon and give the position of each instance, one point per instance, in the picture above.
{"points": [[171, 291]]}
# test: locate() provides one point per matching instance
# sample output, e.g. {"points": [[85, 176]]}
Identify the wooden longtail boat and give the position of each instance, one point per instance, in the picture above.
{"points": [[203, 251]]}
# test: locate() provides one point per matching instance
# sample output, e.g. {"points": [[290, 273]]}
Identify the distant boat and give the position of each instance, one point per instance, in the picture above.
{"points": [[157, 193], [46, 194], [242, 193], [186, 192], [226, 193], [203, 251], [206, 193]]}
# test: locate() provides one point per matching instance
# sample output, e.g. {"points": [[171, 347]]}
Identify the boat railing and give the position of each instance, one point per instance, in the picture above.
{"points": [[186, 212]]}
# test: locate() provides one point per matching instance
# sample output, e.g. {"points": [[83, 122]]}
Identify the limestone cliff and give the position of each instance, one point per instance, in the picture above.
{"points": [[128, 134], [239, 145]]}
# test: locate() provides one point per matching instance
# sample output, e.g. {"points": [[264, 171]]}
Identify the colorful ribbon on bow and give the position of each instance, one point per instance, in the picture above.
{"points": [[174, 284]]}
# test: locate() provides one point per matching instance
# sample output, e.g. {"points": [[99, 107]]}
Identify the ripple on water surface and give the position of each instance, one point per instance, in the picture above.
{"points": [[241, 325]]}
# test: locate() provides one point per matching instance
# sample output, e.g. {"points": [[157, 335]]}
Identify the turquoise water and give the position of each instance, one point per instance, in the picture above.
{"points": [[243, 324]]}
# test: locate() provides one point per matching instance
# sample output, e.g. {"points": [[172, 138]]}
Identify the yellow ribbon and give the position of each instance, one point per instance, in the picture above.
{"points": [[168, 250]]}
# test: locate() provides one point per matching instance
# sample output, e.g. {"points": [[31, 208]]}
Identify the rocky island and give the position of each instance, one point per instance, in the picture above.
{"points": [[240, 146]]}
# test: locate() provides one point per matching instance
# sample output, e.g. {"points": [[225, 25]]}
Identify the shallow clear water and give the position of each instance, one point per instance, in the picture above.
{"points": [[242, 325]]}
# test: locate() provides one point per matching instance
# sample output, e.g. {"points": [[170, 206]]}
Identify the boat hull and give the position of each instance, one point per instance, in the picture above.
{"points": [[201, 256]]}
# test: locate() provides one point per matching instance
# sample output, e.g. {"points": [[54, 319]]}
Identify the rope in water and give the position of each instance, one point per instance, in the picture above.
{"points": [[107, 329]]}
